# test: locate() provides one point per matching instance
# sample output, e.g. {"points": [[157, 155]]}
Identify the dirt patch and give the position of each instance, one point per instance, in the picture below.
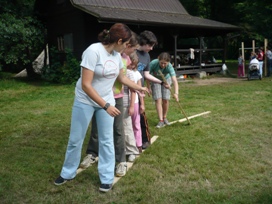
{"points": [[214, 80]]}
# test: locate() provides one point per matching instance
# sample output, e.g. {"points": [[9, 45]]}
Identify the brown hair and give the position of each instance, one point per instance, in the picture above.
{"points": [[134, 39], [147, 38], [134, 58], [116, 32], [164, 56]]}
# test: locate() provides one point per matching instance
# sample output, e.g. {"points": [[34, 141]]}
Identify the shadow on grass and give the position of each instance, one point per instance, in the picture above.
{"points": [[34, 81]]}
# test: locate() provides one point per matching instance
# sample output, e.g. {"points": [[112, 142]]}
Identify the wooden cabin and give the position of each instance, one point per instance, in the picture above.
{"points": [[75, 24]]}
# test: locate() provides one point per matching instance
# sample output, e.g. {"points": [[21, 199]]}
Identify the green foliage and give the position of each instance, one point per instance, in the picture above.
{"points": [[64, 68], [5, 75], [21, 34], [253, 17], [256, 19]]}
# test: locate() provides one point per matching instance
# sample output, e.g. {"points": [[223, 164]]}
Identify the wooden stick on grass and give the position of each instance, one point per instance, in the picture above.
{"points": [[164, 80]]}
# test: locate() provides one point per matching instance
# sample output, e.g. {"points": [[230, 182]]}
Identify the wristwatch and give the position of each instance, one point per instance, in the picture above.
{"points": [[106, 106]]}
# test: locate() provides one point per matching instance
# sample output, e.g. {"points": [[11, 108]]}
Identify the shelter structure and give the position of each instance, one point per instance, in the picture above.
{"points": [[75, 24]]}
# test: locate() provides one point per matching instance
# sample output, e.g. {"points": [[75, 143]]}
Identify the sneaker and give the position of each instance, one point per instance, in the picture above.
{"points": [[131, 158], [87, 161], [105, 187], [145, 145], [59, 181], [160, 124], [166, 122], [121, 169]]}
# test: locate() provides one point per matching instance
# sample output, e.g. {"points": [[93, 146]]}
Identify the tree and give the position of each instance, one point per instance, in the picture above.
{"points": [[253, 17], [21, 35]]}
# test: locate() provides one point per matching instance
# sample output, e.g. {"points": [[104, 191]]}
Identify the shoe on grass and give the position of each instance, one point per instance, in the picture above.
{"points": [[166, 122], [121, 169], [87, 161], [59, 181], [160, 124], [131, 158], [145, 145], [105, 187]]}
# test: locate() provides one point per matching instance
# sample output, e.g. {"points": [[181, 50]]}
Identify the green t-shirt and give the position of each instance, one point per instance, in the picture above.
{"points": [[168, 71]]}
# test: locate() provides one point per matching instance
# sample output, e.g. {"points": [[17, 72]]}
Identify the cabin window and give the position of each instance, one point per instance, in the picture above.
{"points": [[60, 43], [68, 41], [65, 42]]}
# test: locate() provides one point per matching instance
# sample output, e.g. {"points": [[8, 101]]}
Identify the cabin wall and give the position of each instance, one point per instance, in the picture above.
{"points": [[69, 27]]}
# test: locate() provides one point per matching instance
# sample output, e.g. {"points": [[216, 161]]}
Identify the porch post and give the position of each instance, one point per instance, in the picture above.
{"points": [[225, 40], [175, 52]]}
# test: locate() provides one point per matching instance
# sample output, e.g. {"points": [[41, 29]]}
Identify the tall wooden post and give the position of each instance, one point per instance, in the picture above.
{"points": [[265, 58], [253, 45], [200, 51], [225, 49], [243, 56], [175, 55]]}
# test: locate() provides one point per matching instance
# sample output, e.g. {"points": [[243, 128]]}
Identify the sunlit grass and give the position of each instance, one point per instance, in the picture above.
{"points": [[222, 157]]}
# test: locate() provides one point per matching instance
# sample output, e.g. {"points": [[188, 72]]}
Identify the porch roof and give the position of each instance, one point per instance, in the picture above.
{"points": [[163, 13]]}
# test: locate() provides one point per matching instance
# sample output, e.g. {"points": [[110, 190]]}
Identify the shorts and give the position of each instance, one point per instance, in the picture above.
{"points": [[159, 91]]}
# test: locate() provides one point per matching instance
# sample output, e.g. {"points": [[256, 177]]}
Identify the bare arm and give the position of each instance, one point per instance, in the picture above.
{"points": [[126, 81], [132, 102], [141, 99], [151, 78], [87, 78]]}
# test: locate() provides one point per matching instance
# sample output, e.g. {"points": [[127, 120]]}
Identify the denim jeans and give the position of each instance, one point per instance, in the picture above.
{"points": [[81, 117], [119, 137], [269, 67]]}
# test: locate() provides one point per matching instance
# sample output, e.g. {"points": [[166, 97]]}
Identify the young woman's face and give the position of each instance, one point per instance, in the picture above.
{"points": [[129, 49], [121, 46], [163, 63]]}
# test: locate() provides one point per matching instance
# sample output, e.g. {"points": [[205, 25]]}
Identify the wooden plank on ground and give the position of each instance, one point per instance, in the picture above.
{"points": [[129, 164]]}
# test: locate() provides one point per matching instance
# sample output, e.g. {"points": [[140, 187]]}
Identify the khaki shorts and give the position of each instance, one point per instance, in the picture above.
{"points": [[159, 91]]}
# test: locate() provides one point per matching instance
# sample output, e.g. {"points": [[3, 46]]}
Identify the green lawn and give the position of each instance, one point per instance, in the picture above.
{"points": [[222, 157]]}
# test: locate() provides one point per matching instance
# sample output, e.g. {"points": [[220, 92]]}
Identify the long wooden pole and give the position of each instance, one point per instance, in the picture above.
{"points": [[164, 80], [190, 117], [265, 58]]}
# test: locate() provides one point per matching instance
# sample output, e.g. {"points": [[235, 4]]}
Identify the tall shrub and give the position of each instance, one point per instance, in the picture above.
{"points": [[64, 68]]}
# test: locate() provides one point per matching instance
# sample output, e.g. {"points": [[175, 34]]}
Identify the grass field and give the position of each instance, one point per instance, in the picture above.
{"points": [[222, 157]]}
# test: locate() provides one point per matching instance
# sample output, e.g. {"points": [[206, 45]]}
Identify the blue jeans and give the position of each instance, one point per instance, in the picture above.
{"points": [[269, 67], [119, 137], [81, 117]]}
